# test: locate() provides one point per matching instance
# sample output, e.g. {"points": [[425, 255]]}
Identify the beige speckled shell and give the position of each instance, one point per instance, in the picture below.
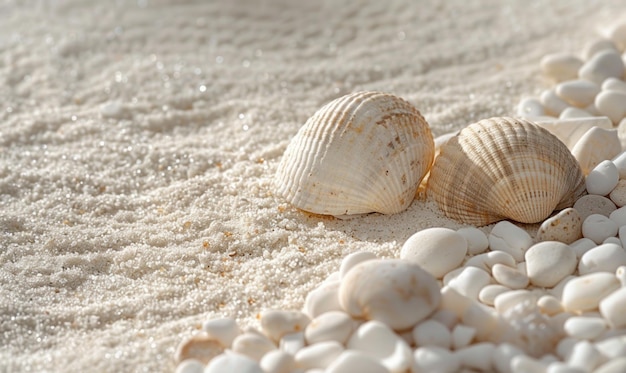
{"points": [[504, 168], [363, 152]]}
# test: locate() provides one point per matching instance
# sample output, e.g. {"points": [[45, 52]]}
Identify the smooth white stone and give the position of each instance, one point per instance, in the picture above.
{"points": [[604, 64], [482, 318], [618, 194], [223, 330], [620, 162], [613, 308], [595, 146], [477, 356], [452, 275], [557, 291], [583, 327], [594, 204], [380, 342], [565, 347], [435, 359], [530, 107], [611, 104], [584, 356], [561, 66], [384, 290], [552, 103], [329, 326], [614, 84], [509, 277], [559, 367], [570, 130], [278, 361], [565, 226], [578, 92], [502, 358], [199, 347], [584, 293], [470, 281], [462, 335], [437, 250], [190, 366], [602, 178], [446, 317], [292, 342], [351, 361], [581, 246], [353, 259], [598, 45], [318, 355], [617, 365], [489, 293], [619, 217], [620, 273], [453, 301], [549, 358], [233, 362], [507, 301], [598, 227], [549, 305], [432, 333], [323, 299], [277, 323], [477, 241], [527, 364], [549, 262], [574, 113], [487, 260], [604, 258], [613, 240], [612, 347], [252, 345], [508, 237]]}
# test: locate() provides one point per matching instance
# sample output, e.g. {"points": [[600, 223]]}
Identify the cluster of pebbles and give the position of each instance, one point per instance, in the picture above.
{"points": [[465, 301]]}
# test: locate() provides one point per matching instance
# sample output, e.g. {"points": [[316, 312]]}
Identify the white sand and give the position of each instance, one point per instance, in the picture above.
{"points": [[119, 236]]}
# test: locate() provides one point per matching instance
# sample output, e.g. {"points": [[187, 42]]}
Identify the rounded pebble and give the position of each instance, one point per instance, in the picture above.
{"points": [[488, 294], [566, 227], [584, 327], [378, 341], [594, 204], [604, 258], [581, 246], [477, 356], [353, 259], [598, 227], [619, 217], [487, 260], [620, 162], [552, 103], [322, 299], [477, 241], [437, 250], [470, 281], [436, 359], [618, 194], [351, 361], [571, 130], [561, 66], [508, 237], [578, 92], [530, 107], [549, 262], [509, 277], [604, 64], [585, 357], [462, 335], [277, 323], [549, 305], [503, 356], [613, 308], [385, 289], [584, 293], [223, 330], [252, 345], [574, 112], [614, 84], [603, 178], [318, 355], [292, 342], [329, 326], [598, 45], [596, 145], [432, 333], [278, 361], [611, 104], [233, 363], [199, 347]]}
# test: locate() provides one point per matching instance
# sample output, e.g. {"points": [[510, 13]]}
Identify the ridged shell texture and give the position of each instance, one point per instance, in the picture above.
{"points": [[363, 152], [504, 168]]}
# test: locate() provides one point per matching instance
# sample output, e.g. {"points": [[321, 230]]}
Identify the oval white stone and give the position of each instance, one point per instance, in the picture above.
{"points": [[351, 361], [578, 92], [584, 293], [509, 277], [437, 250], [598, 228], [432, 333], [487, 260], [278, 361], [436, 359], [353, 259], [604, 258], [470, 281], [530, 107], [252, 345], [322, 299], [611, 104], [508, 237], [614, 84], [233, 362], [584, 327], [223, 330], [552, 103], [549, 305], [604, 64], [598, 45], [378, 341], [549, 262], [620, 162], [462, 335], [277, 323], [602, 178], [318, 355], [489, 293], [595, 146], [612, 308], [385, 290], [561, 66], [477, 241], [477, 356], [329, 326], [574, 113]]}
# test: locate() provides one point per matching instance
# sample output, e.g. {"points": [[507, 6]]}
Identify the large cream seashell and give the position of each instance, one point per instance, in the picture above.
{"points": [[504, 168], [364, 152]]}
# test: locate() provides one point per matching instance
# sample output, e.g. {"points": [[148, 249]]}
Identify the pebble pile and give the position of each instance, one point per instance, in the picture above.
{"points": [[466, 301]]}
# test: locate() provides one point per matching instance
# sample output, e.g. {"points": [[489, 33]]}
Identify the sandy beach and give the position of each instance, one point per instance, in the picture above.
{"points": [[139, 140]]}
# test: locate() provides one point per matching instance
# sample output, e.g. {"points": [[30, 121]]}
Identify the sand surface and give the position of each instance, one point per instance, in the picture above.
{"points": [[138, 141]]}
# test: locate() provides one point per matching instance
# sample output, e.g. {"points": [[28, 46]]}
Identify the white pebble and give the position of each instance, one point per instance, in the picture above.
{"points": [[612, 347], [613, 240], [565, 346], [620, 162], [598, 45], [617, 365], [190, 366], [223, 330], [453, 301], [470, 281], [378, 341], [322, 299], [435, 359], [604, 258], [570, 130], [432, 333], [503, 356], [584, 356], [487, 260], [530, 108], [446, 317], [565, 226], [614, 84], [552, 103], [233, 362], [613, 308], [252, 345], [581, 246], [385, 290], [437, 250], [594, 204], [574, 113], [598, 227], [595, 146], [602, 178], [584, 327], [353, 259], [604, 64], [200, 347], [462, 335], [278, 361], [507, 301], [549, 262], [611, 104], [549, 305], [477, 241], [292, 342], [351, 361], [508, 237], [527, 364], [509, 277], [329, 326], [584, 293], [559, 367], [318, 355], [483, 319], [277, 323], [561, 66], [489, 293], [477, 356], [578, 92], [618, 194], [619, 217]]}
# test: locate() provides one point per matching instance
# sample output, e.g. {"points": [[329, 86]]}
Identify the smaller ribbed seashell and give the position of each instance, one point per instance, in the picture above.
{"points": [[504, 168], [363, 152]]}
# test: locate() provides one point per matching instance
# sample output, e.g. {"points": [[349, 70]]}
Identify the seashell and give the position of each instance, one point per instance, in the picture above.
{"points": [[363, 152], [504, 168]]}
